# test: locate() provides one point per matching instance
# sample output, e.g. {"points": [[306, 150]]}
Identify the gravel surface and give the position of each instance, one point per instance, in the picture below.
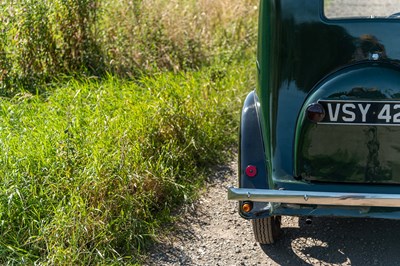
{"points": [[212, 233]]}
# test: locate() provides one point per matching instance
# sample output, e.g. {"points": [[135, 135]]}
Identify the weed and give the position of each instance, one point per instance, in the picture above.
{"points": [[41, 41], [112, 112], [91, 172]]}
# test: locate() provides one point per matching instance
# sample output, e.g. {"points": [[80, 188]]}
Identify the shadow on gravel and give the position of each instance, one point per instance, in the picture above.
{"points": [[173, 256], [338, 241], [193, 220], [173, 251], [219, 173]]}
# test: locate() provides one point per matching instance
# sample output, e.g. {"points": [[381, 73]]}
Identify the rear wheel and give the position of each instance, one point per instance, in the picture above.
{"points": [[267, 230]]}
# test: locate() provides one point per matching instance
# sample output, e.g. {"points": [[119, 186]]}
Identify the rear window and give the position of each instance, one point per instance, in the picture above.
{"points": [[348, 9]]}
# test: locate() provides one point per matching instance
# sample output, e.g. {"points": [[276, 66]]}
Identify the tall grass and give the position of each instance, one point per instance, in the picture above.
{"points": [[42, 39], [111, 112], [89, 173], [177, 34]]}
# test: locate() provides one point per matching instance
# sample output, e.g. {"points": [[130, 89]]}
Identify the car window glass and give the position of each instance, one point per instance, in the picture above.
{"points": [[345, 9]]}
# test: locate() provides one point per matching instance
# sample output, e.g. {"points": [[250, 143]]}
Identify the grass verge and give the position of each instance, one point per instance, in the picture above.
{"points": [[90, 172]]}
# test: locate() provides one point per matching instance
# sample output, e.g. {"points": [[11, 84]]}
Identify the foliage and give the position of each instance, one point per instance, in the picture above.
{"points": [[89, 173], [111, 113], [41, 40]]}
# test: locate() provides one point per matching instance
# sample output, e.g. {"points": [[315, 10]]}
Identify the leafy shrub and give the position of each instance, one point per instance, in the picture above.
{"points": [[42, 40]]}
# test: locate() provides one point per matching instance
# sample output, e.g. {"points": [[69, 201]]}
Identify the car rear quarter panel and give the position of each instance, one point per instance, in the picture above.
{"points": [[297, 48]]}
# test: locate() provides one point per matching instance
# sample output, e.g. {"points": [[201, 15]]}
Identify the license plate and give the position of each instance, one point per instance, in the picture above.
{"points": [[361, 112]]}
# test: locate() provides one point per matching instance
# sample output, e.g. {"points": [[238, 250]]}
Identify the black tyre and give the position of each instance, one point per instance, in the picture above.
{"points": [[267, 230]]}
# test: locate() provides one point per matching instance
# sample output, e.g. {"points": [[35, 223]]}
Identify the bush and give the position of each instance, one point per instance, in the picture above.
{"points": [[42, 40]]}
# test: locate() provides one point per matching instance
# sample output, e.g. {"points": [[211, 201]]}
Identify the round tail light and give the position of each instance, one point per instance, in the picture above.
{"points": [[247, 206], [315, 112], [251, 171]]}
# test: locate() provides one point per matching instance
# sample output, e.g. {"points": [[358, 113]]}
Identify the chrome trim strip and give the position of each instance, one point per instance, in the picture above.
{"points": [[314, 197]]}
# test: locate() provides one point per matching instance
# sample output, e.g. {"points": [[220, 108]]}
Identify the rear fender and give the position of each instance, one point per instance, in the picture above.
{"points": [[252, 153]]}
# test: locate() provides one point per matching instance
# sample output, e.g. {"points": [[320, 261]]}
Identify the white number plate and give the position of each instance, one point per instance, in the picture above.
{"points": [[361, 112]]}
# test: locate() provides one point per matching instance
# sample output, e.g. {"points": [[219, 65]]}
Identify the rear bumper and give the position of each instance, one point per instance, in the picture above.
{"points": [[314, 198]]}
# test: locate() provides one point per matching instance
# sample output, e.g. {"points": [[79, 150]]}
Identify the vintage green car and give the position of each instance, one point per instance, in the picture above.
{"points": [[320, 135]]}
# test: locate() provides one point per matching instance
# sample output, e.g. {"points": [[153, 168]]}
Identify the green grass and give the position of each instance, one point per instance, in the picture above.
{"points": [[42, 41], [90, 172], [111, 114]]}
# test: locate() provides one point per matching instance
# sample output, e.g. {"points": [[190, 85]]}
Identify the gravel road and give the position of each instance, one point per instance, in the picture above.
{"points": [[212, 233]]}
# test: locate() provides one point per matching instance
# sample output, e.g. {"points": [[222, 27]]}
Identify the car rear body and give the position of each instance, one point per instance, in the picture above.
{"points": [[347, 161]]}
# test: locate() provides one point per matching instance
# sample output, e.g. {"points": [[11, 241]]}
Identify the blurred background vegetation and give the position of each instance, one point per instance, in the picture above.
{"points": [[44, 39], [111, 115]]}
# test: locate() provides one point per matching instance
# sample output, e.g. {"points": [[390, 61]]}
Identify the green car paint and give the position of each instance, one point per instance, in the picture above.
{"points": [[304, 58]]}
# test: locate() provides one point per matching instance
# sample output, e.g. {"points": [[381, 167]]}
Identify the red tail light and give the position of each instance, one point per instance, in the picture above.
{"points": [[251, 171]]}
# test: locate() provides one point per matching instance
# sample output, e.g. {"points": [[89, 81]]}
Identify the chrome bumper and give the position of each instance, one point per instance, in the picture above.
{"points": [[314, 198]]}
